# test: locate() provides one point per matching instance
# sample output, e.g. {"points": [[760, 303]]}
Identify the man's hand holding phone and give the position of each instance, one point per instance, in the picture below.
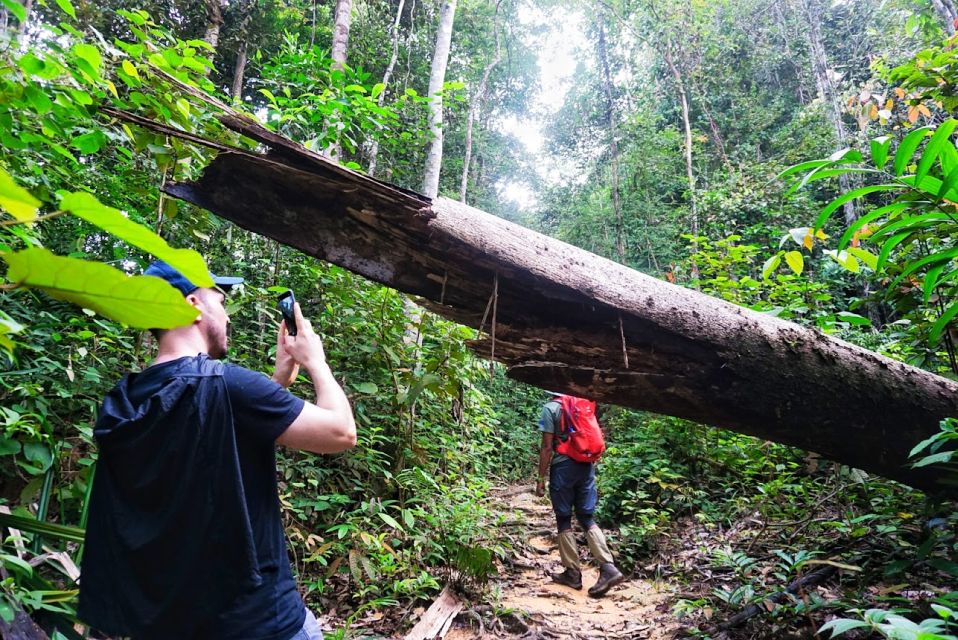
{"points": [[305, 347]]}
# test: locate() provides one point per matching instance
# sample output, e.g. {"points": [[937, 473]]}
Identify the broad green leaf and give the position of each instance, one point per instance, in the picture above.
{"points": [[269, 95], [924, 222], [842, 625], [853, 318], [391, 521], [67, 8], [16, 200], [870, 217], [31, 64], [377, 89], [795, 261], [366, 387], [141, 302], [186, 261], [948, 186], [89, 142], [823, 173], [879, 148], [90, 54], [8, 446], [38, 453], [888, 246], [869, 258], [907, 148], [848, 197], [941, 137], [13, 562], [17, 9], [931, 281], [771, 265], [798, 168], [939, 327], [130, 70], [935, 458], [911, 267]]}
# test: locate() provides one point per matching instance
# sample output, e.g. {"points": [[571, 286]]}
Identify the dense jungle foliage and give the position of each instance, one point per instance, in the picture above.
{"points": [[796, 157]]}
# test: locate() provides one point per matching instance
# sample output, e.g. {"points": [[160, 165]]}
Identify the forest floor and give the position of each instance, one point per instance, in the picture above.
{"points": [[528, 604]]}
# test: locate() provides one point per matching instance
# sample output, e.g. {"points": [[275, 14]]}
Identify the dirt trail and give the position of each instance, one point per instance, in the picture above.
{"points": [[635, 609]]}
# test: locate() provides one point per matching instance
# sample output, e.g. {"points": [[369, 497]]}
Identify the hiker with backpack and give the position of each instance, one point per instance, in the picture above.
{"points": [[572, 442]]}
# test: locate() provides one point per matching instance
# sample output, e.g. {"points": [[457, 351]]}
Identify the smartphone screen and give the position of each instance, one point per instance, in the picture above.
{"points": [[286, 301]]}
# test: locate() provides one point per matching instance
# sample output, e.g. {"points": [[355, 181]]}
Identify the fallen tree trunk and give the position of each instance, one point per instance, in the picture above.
{"points": [[566, 319]]}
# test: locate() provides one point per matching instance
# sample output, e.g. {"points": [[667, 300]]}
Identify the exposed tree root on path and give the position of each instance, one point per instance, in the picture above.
{"points": [[531, 607]]}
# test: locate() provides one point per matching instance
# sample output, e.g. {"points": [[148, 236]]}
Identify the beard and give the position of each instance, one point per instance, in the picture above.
{"points": [[216, 341]]}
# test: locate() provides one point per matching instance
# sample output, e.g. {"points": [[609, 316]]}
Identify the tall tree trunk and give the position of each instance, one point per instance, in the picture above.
{"points": [[948, 14], [387, 76], [671, 63], [342, 19], [239, 69], [827, 92], [437, 77], [603, 53], [214, 20], [476, 103]]}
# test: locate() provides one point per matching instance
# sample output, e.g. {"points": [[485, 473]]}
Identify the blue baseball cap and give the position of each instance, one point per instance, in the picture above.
{"points": [[161, 269]]}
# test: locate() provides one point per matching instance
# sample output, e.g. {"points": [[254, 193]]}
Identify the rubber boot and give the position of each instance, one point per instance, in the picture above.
{"points": [[569, 553], [609, 576]]}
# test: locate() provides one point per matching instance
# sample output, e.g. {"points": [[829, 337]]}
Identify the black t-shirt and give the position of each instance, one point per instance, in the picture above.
{"points": [[261, 410]]}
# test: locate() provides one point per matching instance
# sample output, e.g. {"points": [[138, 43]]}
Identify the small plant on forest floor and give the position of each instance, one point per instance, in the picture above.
{"points": [[893, 625]]}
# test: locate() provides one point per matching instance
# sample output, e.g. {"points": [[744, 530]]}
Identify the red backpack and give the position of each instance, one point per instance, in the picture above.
{"points": [[580, 436]]}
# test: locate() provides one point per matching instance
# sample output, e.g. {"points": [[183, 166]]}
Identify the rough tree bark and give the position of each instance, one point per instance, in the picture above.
{"points": [[476, 104], [603, 53], [342, 20], [623, 337], [387, 76], [437, 76], [214, 20], [239, 69]]}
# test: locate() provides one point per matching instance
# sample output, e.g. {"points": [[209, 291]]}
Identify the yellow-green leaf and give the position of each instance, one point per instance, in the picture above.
{"points": [[67, 7], [130, 69], [141, 302], [795, 261], [186, 261], [16, 200]]}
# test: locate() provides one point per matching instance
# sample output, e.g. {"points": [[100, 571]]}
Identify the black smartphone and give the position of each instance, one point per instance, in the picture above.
{"points": [[286, 302]]}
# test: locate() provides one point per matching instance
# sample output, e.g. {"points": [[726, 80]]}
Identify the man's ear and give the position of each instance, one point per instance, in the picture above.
{"points": [[194, 300]]}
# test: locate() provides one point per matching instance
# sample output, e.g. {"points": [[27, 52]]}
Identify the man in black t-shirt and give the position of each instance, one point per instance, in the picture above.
{"points": [[185, 537]]}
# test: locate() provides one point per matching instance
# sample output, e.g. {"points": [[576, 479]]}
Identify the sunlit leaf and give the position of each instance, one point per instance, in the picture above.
{"points": [[17, 9], [939, 327], [795, 261], [879, 149], [67, 8], [771, 265], [186, 261], [142, 302], [16, 200], [941, 137], [907, 148]]}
